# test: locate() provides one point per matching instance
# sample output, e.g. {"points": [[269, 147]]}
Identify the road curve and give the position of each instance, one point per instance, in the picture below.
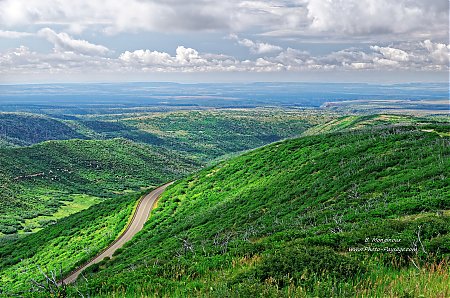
{"points": [[140, 216]]}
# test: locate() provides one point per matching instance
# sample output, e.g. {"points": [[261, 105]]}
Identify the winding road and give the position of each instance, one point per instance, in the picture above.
{"points": [[140, 216]]}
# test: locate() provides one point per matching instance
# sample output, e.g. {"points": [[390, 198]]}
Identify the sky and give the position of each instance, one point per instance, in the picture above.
{"points": [[224, 41]]}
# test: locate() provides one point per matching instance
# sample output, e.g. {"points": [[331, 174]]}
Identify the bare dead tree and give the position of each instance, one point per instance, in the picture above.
{"points": [[51, 283], [419, 240], [354, 193], [203, 244], [339, 221], [415, 246], [223, 241], [85, 285], [186, 246]]}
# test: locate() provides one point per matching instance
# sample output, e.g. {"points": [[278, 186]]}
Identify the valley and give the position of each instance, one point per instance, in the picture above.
{"points": [[105, 158], [279, 201], [224, 149], [308, 202]]}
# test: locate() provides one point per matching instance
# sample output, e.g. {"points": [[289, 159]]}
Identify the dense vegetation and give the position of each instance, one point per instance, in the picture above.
{"points": [[42, 183], [289, 218], [206, 134], [349, 123], [213, 133], [71, 242], [37, 181], [28, 129]]}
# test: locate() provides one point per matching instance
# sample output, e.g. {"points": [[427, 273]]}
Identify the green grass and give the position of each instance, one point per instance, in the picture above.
{"points": [[70, 242], [369, 121], [47, 181], [75, 203], [280, 221]]}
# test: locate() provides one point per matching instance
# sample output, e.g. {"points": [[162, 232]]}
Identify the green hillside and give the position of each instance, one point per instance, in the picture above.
{"points": [[70, 242], [50, 180], [42, 183], [358, 122], [208, 134], [28, 129], [288, 220]]}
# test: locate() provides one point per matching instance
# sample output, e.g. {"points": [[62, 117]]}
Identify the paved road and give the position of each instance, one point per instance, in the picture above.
{"points": [[140, 216]]}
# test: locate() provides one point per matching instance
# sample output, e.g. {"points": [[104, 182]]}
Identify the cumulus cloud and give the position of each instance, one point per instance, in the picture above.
{"points": [[256, 47], [184, 60], [392, 53], [22, 60], [438, 52], [146, 57], [188, 56], [63, 42]]}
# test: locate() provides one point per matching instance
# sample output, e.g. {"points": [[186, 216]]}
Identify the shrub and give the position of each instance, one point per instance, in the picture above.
{"points": [[303, 265]]}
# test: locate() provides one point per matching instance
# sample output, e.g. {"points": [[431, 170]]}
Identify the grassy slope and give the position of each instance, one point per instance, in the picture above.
{"points": [[70, 242], [207, 134], [280, 221], [36, 181]]}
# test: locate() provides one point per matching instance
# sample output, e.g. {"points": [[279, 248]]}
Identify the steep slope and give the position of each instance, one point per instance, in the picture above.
{"points": [[314, 216], [36, 181]]}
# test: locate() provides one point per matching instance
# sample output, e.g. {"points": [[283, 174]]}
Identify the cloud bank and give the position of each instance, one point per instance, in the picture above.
{"points": [[83, 56], [278, 35]]}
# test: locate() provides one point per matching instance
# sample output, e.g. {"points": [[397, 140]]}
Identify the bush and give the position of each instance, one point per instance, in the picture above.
{"points": [[8, 229], [303, 265]]}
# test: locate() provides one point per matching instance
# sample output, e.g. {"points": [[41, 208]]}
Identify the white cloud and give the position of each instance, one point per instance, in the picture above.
{"points": [[420, 56], [256, 47], [114, 16], [63, 42], [413, 19], [188, 56], [13, 34], [22, 60], [392, 53], [146, 57], [362, 17], [438, 52]]}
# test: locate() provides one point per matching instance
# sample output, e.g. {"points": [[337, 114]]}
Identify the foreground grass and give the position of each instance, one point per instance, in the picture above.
{"points": [[431, 281]]}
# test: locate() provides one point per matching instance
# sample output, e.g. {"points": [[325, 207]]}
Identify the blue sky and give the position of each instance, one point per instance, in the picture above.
{"points": [[211, 40]]}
